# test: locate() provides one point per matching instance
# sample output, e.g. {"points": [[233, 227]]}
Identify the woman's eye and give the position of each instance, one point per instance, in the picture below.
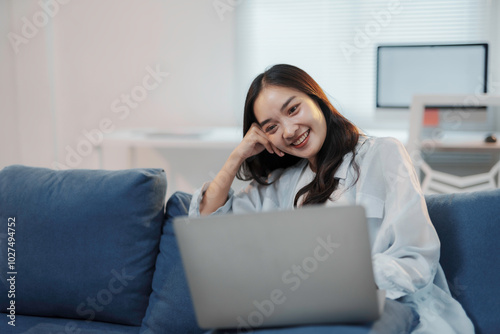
{"points": [[293, 109], [270, 128]]}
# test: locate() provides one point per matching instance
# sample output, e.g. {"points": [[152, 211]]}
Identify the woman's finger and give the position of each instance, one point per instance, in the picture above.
{"points": [[278, 151], [261, 137], [265, 142], [258, 130]]}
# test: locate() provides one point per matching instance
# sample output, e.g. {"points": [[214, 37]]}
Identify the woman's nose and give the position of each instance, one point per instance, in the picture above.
{"points": [[289, 130]]}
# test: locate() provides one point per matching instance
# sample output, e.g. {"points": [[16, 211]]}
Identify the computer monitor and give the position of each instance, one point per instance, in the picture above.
{"points": [[406, 70]]}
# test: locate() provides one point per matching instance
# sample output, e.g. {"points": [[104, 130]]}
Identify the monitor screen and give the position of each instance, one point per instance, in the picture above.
{"points": [[406, 70]]}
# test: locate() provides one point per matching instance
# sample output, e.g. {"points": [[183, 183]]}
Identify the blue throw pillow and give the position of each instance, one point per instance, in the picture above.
{"points": [[170, 308], [85, 241]]}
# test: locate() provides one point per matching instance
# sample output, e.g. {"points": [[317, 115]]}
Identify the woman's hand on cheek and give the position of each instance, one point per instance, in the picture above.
{"points": [[279, 152], [254, 142]]}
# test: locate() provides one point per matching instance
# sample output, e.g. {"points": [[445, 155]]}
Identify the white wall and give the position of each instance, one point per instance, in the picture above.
{"points": [[10, 146], [494, 47], [9, 121], [65, 79]]}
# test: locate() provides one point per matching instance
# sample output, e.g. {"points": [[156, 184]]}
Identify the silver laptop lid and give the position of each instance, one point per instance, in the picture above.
{"points": [[311, 265]]}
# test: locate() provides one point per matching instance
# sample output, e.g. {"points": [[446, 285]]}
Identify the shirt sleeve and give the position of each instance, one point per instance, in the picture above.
{"points": [[406, 247], [253, 198], [194, 207]]}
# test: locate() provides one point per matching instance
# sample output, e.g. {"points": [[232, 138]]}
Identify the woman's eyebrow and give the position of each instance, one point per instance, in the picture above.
{"points": [[282, 108], [286, 103]]}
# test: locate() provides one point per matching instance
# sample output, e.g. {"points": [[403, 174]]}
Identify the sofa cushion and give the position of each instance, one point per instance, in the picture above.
{"points": [[170, 308], [397, 318], [468, 225], [26, 324], [85, 241]]}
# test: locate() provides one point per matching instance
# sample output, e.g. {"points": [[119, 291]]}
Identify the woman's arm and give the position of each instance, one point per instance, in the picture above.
{"points": [[217, 192], [254, 142], [406, 247]]}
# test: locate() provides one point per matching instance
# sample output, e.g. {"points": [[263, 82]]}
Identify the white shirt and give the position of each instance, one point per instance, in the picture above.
{"points": [[405, 246]]}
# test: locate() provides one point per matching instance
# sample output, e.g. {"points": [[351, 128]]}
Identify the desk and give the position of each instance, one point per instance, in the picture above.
{"points": [[189, 156], [439, 182], [467, 141], [225, 138], [215, 138], [193, 155]]}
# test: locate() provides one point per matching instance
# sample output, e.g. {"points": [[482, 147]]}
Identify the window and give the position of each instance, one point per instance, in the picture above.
{"points": [[336, 41]]}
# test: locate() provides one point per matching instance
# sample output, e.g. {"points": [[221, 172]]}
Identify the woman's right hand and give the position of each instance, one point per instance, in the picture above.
{"points": [[254, 142]]}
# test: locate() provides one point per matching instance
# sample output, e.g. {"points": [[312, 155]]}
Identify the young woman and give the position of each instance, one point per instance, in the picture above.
{"points": [[299, 150]]}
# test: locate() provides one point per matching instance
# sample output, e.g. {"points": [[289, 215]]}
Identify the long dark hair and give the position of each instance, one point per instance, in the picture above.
{"points": [[341, 136]]}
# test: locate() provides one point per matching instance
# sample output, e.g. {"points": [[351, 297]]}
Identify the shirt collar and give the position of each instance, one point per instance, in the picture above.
{"points": [[341, 172]]}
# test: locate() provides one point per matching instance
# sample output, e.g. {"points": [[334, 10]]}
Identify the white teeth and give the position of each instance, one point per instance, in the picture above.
{"points": [[301, 139]]}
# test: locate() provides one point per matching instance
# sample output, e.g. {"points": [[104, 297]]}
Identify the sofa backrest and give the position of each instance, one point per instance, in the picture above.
{"points": [[468, 225], [170, 309], [85, 241]]}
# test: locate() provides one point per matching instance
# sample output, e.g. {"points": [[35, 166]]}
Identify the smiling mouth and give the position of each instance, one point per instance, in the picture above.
{"points": [[301, 139]]}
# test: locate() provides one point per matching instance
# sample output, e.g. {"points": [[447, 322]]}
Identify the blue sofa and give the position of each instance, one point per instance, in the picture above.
{"points": [[93, 251]]}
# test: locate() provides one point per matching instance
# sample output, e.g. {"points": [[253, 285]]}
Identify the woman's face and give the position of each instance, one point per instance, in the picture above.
{"points": [[292, 121]]}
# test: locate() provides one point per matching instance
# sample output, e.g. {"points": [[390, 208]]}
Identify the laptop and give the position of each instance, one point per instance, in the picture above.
{"points": [[306, 266]]}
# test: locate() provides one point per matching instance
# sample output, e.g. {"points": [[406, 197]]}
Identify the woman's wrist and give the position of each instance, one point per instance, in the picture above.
{"points": [[234, 162], [216, 193]]}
